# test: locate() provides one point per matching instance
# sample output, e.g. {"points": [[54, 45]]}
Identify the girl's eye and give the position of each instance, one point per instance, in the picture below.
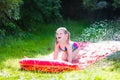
{"points": [[56, 33], [61, 33]]}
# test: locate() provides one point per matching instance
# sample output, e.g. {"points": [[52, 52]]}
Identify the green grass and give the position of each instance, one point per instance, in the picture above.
{"points": [[39, 44]]}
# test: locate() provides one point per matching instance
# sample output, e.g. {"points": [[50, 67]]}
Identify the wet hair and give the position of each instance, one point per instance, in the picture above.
{"points": [[65, 31]]}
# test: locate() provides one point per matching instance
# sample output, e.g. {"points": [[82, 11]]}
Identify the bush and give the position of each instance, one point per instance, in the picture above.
{"points": [[9, 14], [39, 11]]}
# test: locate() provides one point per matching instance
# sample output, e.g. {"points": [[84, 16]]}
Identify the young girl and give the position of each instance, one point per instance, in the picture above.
{"points": [[65, 49]]}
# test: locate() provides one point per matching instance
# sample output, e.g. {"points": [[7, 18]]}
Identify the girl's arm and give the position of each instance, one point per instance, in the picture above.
{"points": [[56, 52], [69, 49]]}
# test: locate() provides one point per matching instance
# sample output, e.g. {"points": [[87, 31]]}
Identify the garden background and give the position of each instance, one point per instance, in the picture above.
{"points": [[27, 28]]}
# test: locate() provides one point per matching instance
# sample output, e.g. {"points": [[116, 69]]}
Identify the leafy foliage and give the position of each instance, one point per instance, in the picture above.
{"points": [[9, 13], [97, 4], [39, 11], [14, 16], [49, 9], [89, 3], [116, 3], [10, 9]]}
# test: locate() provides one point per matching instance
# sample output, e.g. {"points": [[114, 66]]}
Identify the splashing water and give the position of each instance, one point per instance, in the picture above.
{"points": [[101, 31]]}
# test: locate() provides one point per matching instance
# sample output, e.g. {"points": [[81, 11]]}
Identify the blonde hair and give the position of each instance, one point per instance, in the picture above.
{"points": [[65, 31]]}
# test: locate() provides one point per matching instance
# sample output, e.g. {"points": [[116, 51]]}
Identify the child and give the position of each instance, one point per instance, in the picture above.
{"points": [[65, 49]]}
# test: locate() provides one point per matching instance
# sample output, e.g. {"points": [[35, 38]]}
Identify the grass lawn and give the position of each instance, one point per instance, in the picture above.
{"points": [[41, 43]]}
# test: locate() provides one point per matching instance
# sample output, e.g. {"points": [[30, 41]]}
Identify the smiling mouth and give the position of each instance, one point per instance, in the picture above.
{"points": [[59, 37]]}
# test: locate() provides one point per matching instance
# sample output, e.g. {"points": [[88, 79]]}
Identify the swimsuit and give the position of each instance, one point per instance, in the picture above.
{"points": [[74, 46]]}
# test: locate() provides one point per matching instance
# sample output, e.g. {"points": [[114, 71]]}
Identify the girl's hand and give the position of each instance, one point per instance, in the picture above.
{"points": [[60, 56], [69, 49]]}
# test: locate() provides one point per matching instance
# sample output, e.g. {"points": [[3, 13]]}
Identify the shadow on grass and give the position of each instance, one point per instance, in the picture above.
{"points": [[115, 58]]}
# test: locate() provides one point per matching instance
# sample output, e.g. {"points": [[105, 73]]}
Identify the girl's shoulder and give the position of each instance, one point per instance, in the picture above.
{"points": [[72, 42]]}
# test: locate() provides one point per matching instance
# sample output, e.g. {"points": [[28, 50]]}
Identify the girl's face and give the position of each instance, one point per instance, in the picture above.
{"points": [[61, 36]]}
